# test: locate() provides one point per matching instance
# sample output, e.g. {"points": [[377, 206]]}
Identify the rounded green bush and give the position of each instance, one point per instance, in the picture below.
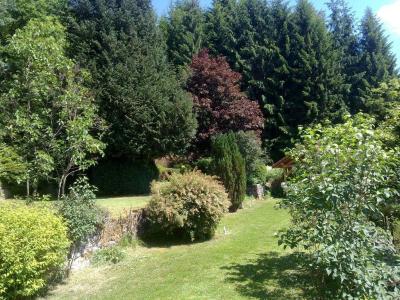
{"points": [[188, 206], [33, 248]]}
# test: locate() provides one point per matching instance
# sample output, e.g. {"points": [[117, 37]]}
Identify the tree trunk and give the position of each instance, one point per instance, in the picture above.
{"points": [[27, 187]]}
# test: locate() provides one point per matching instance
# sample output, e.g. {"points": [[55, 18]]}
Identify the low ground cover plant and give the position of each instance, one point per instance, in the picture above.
{"points": [[187, 206], [33, 249], [108, 255]]}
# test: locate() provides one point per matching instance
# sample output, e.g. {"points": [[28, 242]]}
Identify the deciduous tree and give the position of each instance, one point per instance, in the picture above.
{"points": [[48, 116], [219, 104]]}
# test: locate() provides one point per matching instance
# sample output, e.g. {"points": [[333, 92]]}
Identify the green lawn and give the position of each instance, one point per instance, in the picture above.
{"points": [[246, 263], [114, 205], [118, 204]]}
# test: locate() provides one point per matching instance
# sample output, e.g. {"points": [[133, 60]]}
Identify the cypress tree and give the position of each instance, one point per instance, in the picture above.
{"points": [[138, 94], [229, 165]]}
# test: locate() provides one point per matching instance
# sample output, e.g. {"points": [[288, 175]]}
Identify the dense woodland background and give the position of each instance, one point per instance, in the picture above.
{"points": [[83, 79]]}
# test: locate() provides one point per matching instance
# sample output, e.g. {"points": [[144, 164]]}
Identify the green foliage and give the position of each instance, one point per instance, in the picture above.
{"points": [[108, 255], [258, 175], [116, 177], [341, 177], [33, 249], [346, 43], [273, 173], [377, 61], [15, 14], [382, 101], [48, 116], [184, 31], [12, 168], [229, 165], [122, 47], [129, 241], [79, 209], [188, 206], [288, 62], [251, 150], [205, 165]]}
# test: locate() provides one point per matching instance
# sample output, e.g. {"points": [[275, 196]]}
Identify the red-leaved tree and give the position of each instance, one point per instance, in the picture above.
{"points": [[219, 104]]}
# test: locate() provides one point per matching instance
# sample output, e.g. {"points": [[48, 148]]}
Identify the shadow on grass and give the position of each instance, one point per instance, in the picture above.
{"points": [[273, 276], [159, 240]]}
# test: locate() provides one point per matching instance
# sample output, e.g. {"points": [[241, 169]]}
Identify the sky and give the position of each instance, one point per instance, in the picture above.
{"points": [[387, 10]]}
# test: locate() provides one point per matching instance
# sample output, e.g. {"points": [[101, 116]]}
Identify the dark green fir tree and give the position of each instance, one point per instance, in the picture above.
{"points": [[138, 94]]}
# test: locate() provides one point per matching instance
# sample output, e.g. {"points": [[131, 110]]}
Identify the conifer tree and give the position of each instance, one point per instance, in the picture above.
{"points": [[184, 31], [221, 39], [377, 61], [138, 94], [229, 165], [315, 84], [345, 42]]}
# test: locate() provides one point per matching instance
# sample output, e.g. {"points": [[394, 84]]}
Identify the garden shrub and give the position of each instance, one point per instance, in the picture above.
{"points": [[79, 209], [341, 177], [188, 206], [258, 174], [33, 249], [229, 165], [123, 176], [250, 148], [108, 255], [274, 179], [205, 165]]}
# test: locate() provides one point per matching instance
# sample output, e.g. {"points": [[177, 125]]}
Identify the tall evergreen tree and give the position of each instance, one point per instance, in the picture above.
{"points": [[184, 31], [269, 70], [221, 39], [377, 61], [138, 94], [345, 41], [315, 83]]}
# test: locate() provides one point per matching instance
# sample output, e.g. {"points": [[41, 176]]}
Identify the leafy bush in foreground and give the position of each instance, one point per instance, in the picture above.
{"points": [[188, 206], [33, 248], [340, 179]]}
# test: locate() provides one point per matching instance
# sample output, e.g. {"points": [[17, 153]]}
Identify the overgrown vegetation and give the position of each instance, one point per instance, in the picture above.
{"points": [[83, 217]]}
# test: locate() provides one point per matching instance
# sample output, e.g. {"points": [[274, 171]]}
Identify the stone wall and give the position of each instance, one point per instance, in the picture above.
{"points": [[130, 222]]}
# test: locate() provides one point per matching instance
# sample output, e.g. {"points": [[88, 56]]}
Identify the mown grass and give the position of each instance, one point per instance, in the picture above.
{"points": [[115, 205], [243, 261], [118, 204]]}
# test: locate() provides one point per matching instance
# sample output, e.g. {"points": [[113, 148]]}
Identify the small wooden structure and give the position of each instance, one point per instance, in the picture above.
{"points": [[285, 163]]}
